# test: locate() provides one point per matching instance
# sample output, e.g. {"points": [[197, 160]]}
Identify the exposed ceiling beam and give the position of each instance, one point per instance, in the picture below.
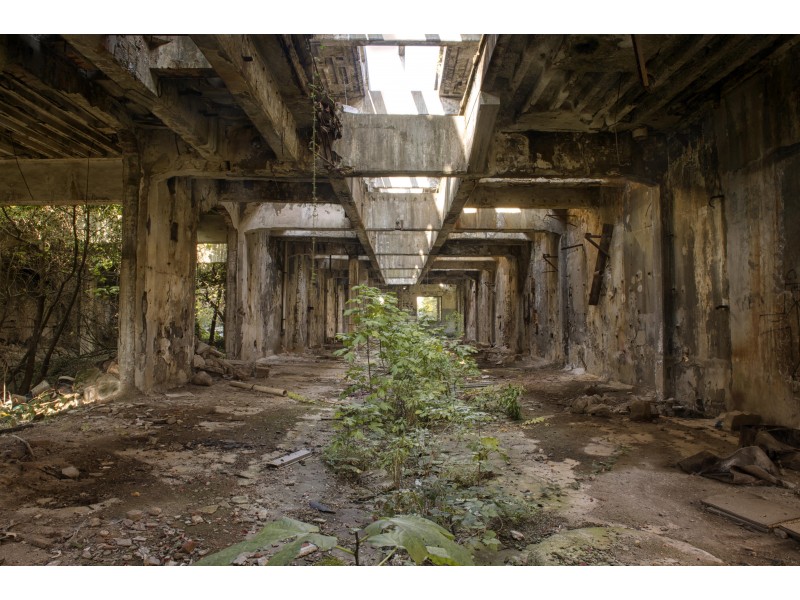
{"points": [[124, 59], [248, 77]]}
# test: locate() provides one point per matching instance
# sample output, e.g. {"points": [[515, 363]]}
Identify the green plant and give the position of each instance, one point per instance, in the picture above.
{"points": [[502, 399], [405, 376], [421, 538], [482, 449]]}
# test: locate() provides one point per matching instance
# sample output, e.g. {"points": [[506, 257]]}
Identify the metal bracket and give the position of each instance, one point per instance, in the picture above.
{"points": [[591, 237], [549, 256]]}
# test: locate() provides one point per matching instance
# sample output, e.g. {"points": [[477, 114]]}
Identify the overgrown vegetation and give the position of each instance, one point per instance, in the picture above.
{"points": [[59, 270], [422, 539], [407, 392], [210, 303]]}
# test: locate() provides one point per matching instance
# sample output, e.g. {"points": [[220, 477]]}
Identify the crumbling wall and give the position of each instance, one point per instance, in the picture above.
{"points": [[697, 295], [757, 132], [621, 336], [545, 331]]}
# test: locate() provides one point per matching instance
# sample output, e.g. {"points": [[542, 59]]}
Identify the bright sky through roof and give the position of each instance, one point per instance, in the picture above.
{"points": [[397, 77]]}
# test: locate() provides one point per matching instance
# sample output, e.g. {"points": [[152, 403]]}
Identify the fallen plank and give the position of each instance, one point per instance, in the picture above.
{"points": [[753, 511], [260, 388], [290, 458], [793, 529]]}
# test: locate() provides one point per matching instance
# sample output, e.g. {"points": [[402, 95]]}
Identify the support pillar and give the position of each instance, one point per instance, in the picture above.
{"points": [[165, 281]]}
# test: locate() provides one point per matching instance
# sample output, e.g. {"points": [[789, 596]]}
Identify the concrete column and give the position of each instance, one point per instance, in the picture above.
{"points": [[296, 298], [165, 280], [126, 343], [506, 304], [261, 287], [233, 320], [470, 310], [485, 309]]}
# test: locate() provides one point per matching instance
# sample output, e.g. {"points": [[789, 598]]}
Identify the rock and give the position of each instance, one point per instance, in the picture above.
{"points": [[239, 500], [70, 472], [197, 519], [599, 410], [95, 522], [642, 410], [306, 549], [172, 420], [736, 419], [189, 546], [113, 368], [40, 388], [104, 533], [202, 378], [134, 515], [87, 554], [123, 541], [241, 559], [153, 561], [208, 510], [198, 362], [517, 535], [262, 368], [154, 510], [202, 349]]}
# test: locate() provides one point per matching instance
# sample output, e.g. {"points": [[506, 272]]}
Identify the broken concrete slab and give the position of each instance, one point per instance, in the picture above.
{"points": [[734, 420], [752, 510]]}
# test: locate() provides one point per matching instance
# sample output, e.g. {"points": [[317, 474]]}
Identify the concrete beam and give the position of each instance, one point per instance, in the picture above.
{"points": [[534, 194], [61, 181], [407, 212], [224, 190], [250, 80], [125, 59], [338, 39], [306, 216], [351, 194], [480, 248], [525, 221], [402, 145]]}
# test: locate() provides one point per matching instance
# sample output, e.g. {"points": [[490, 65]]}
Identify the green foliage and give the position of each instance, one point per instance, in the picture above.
{"points": [[502, 399], [210, 282], [422, 539], [407, 376]]}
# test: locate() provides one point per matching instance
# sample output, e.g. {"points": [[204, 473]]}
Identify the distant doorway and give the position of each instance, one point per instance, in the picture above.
{"points": [[429, 307]]}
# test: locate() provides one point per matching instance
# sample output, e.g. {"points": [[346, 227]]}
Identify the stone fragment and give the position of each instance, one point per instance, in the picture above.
{"points": [[208, 510], [202, 378], [95, 522], [154, 510], [642, 410], [239, 500], [40, 388], [70, 472], [517, 535], [134, 515], [123, 541], [189, 546], [198, 362], [736, 419], [599, 410], [196, 519]]}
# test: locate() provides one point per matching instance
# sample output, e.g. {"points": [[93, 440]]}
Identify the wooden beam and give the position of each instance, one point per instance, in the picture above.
{"points": [[248, 77]]}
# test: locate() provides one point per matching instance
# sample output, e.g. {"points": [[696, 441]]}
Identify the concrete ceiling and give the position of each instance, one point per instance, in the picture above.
{"points": [[543, 123]]}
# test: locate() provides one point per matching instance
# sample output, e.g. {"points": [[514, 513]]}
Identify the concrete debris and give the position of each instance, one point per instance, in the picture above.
{"points": [[736, 419], [198, 362], [321, 507], [70, 472], [40, 388], [643, 410], [201, 378], [746, 466]]}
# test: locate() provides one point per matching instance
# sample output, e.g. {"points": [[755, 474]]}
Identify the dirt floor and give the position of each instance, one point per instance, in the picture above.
{"points": [[167, 479]]}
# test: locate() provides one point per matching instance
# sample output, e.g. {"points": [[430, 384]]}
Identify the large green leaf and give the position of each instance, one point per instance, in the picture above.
{"points": [[420, 537], [277, 531]]}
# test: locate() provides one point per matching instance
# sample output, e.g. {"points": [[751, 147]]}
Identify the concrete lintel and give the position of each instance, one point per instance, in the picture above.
{"points": [[389, 242], [312, 217], [61, 181], [250, 80], [463, 264], [308, 234]]}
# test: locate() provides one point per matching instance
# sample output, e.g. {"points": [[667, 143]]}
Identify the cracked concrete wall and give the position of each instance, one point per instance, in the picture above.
{"points": [[697, 297], [757, 127], [544, 328], [622, 336]]}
